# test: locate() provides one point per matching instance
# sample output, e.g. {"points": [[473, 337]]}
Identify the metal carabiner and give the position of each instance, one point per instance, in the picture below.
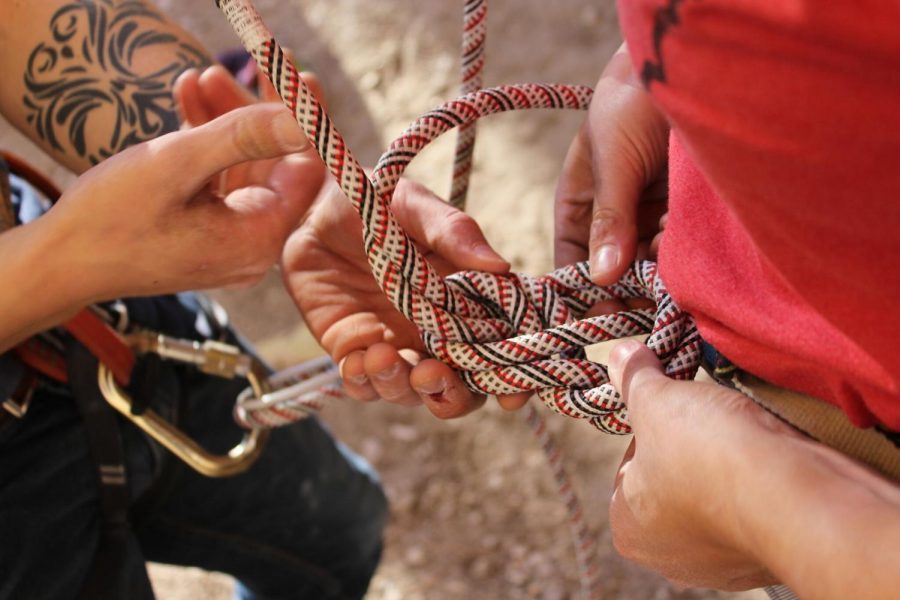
{"points": [[210, 357]]}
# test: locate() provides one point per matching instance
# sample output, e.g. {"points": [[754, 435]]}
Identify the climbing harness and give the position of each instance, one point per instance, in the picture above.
{"points": [[212, 358], [116, 344]]}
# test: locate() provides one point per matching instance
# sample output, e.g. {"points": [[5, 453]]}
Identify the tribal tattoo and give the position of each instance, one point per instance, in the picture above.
{"points": [[104, 80]]}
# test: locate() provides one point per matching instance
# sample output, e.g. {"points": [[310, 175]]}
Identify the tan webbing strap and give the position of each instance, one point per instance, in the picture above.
{"points": [[824, 423]]}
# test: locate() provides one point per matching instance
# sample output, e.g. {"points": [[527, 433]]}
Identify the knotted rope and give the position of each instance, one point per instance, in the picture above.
{"points": [[503, 333]]}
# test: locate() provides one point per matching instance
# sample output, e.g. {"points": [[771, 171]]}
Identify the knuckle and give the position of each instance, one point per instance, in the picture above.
{"points": [[606, 217], [247, 139], [457, 225], [622, 543]]}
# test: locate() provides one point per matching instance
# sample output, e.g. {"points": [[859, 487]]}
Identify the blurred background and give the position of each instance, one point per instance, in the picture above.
{"points": [[474, 509]]}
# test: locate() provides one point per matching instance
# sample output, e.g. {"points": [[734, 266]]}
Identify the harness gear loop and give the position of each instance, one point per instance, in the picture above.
{"points": [[214, 358]]}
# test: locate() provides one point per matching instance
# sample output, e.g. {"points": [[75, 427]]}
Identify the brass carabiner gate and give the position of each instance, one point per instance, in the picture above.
{"points": [[211, 357]]}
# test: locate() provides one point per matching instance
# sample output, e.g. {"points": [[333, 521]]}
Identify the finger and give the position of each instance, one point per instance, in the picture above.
{"points": [[268, 93], [636, 372], [222, 92], [642, 252], [625, 162], [251, 133], [446, 230], [626, 459], [190, 100], [606, 307], [613, 231], [356, 382], [442, 391], [572, 203], [298, 178], [512, 402], [648, 218], [624, 525], [653, 252], [388, 373]]}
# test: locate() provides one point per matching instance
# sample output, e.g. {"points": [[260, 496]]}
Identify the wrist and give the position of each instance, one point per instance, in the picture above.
{"points": [[58, 270], [762, 458], [43, 289], [801, 503]]}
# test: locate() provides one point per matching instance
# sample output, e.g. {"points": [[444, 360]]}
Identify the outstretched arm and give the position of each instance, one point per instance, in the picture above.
{"points": [[143, 224], [86, 79]]}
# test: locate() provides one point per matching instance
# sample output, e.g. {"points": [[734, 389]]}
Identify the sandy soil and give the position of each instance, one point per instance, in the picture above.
{"points": [[474, 509]]}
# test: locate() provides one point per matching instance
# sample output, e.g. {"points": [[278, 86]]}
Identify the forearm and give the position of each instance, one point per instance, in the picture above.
{"points": [[85, 79], [40, 287], [822, 523]]}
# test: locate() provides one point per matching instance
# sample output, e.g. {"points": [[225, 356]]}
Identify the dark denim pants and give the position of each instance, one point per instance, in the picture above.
{"points": [[304, 522]]}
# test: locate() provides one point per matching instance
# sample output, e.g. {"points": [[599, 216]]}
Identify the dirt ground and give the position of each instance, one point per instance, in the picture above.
{"points": [[474, 509]]}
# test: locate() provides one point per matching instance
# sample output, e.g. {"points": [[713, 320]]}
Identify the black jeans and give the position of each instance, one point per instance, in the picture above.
{"points": [[304, 522]]}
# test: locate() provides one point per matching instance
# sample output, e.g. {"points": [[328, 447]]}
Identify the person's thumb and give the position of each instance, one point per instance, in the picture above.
{"points": [[613, 233], [638, 375], [254, 132], [450, 233]]}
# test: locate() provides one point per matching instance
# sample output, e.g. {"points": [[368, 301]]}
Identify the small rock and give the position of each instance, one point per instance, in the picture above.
{"points": [[482, 567], [554, 590], [372, 449], [415, 556], [403, 433], [370, 81], [495, 481], [446, 510], [516, 576], [475, 518]]}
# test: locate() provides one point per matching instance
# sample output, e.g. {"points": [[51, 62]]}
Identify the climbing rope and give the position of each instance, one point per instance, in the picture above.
{"points": [[504, 333], [474, 36]]}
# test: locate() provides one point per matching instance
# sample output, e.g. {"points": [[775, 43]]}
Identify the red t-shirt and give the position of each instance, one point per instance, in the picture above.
{"points": [[783, 237]]}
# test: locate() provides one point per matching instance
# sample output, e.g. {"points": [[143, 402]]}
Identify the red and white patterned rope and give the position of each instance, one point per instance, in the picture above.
{"points": [[503, 333], [474, 37]]}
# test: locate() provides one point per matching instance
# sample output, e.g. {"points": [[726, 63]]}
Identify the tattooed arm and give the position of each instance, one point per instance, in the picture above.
{"points": [[86, 79]]}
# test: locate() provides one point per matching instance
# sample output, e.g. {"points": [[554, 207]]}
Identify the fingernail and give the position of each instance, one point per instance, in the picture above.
{"points": [[605, 259], [388, 373], [433, 389], [622, 351], [484, 251], [288, 132], [358, 379]]}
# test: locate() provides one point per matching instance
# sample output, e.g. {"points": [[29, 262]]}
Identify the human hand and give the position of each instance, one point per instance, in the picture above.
{"points": [[676, 503], [612, 191], [156, 218], [378, 349]]}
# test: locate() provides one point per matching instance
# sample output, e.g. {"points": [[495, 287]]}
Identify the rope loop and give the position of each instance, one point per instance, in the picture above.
{"points": [[512, 333]]}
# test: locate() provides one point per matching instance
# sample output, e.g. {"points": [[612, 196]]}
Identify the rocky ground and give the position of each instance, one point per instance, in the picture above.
{"points": [[474, 509]]}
